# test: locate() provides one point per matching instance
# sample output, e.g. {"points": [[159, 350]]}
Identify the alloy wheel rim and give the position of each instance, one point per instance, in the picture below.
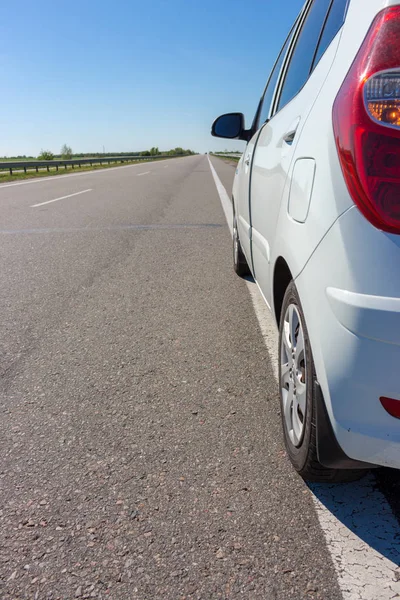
{"points": [[293, 375]]}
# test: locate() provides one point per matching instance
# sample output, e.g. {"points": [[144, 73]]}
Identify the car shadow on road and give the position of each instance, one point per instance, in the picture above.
{"points": [[367, 511]]}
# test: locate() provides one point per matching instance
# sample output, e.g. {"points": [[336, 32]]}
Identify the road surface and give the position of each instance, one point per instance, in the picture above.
{"points": [[141, 447]]}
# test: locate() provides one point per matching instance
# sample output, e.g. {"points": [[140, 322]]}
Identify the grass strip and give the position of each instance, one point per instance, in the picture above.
{"points": [[231, 158]]}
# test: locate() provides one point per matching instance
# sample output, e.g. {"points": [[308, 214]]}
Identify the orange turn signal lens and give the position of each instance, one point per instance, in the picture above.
{"points": [[382, 97]]}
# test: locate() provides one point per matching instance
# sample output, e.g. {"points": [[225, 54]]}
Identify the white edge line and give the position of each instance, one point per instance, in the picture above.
{"points": [[145, 173], [225, 200], [61, 198], [363, 568]]}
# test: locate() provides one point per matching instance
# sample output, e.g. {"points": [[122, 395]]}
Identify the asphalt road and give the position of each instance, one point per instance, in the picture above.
{"points": [[141, 447]]}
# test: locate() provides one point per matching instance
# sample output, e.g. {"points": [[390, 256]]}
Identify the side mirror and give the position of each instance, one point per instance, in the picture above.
{"points": [[230, 126]]}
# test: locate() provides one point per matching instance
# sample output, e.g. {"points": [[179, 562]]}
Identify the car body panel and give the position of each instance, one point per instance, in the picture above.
{"points": [[241, 193], [273, 164]]}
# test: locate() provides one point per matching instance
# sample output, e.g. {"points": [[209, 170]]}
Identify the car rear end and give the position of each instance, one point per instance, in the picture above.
{"points": [[350, 286]]}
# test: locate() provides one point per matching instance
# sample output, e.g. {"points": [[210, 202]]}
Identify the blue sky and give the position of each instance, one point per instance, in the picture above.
{"points": [[134, 74]]}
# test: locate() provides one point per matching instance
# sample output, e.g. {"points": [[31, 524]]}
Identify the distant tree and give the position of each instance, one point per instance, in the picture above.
{"points": [[66, 152], [173, 152], [46, 155]]}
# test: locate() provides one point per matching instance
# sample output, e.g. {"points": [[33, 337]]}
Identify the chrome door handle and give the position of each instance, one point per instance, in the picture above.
{"points": [[291, 134], [289, 137]]}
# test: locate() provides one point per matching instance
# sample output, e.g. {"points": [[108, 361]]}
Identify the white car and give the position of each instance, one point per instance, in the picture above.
{"points": [[316, 202]]}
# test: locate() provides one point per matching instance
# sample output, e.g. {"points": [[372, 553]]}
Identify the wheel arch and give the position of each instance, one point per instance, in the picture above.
{"points": [[282, 278]]}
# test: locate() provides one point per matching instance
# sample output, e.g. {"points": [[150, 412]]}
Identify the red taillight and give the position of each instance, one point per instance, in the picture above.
{"points": [[366, 123], [391, 406]]}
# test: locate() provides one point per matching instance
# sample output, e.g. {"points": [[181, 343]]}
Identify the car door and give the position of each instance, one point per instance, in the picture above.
{"points": [[242, 184], [276, 142], [241, 199]]}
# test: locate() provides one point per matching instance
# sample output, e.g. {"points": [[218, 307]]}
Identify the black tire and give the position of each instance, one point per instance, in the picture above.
{"points": [[303, 455], [240, 265]]}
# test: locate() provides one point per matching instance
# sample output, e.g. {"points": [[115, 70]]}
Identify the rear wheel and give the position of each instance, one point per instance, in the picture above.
{"points": [[298, 397], [239, 260]]}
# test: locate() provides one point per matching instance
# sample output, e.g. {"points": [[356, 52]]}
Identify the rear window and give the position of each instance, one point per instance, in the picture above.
{"points": [[303, 54], [334, 22]]}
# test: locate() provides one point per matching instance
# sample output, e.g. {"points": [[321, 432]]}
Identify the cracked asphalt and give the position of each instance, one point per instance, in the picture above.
{"points": [[141, 447]]}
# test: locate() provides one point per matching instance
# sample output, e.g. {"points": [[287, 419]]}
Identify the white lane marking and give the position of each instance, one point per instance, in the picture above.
{"points": [[145, 173], [61, 198], [361, 532], [225, 200], [94, 172]]}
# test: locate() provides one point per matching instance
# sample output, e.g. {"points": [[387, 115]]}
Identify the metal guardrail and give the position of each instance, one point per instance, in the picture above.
{"points": [[42, 164]]}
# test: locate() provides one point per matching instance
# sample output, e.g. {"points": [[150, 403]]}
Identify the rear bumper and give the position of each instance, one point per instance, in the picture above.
{"points": [[373, 317], [368, 329], [355, 339]]}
